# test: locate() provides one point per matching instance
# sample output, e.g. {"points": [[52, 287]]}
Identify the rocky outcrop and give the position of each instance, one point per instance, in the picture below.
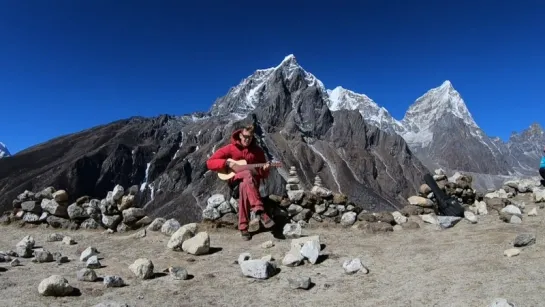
{"points": [[50, 206]]}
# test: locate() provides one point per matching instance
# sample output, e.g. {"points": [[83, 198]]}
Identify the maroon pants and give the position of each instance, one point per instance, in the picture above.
{"points": [[249, 198]]}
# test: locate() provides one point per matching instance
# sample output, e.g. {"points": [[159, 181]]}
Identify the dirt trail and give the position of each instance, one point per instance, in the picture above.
{"points": [[461, 266]]}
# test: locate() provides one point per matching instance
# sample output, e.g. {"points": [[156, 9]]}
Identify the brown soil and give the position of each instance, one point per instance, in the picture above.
{"points": [[461, 266]]}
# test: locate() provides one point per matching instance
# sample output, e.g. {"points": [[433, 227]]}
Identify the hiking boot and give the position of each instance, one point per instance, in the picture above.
{"points": [[246, 236], [266, 220], [253, 225]]}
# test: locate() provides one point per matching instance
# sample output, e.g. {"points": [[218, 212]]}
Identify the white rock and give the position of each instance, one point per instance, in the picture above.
{"points": [[197, 245], [243, 257], [539, 195], [257, 268], [68, 241], [348, 218], [515, 220], [215, 200], [179, 237], [429, 218], [311, 251], [292, 230], [533, 212], [93, 263], [142, 268], [511, 209], [118, 192], [296, 196], [170, 226], [420, 201], [293, 257], [299, 242], [448, 221], [470, 216], [501, 302], [399, 218], [353, 266], [55, 285], [267, 244], [481, 207], [511, 252], [88, 253], [497, 194]]}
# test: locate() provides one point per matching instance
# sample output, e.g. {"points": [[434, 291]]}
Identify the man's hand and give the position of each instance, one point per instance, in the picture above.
{"points": [[266, 166], [235, 167]]}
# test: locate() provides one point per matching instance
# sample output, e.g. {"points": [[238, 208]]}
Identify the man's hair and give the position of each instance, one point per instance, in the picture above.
{"points": [[250, 128]]}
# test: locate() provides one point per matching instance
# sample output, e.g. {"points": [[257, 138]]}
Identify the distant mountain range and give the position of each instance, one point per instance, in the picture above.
{"points": [[353, 144], [442, 133]]}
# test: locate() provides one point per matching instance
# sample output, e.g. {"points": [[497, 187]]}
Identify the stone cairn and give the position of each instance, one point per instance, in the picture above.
{"points": [[50, 206], [302, 208], [475, 203]]}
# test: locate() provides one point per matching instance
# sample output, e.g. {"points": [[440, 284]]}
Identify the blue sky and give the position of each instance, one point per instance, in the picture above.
{"points": [[70, 65]]}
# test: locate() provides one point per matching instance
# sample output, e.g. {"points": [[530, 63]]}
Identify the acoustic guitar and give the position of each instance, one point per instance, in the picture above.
{"points": [[245, 165]]}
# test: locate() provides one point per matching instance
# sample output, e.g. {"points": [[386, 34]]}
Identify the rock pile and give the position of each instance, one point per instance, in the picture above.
{"points": [[475, 203], [51, 206], [301, 208]]}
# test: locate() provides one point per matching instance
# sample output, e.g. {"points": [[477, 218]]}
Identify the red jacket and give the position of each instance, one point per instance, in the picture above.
{"points": [[252, 154]]}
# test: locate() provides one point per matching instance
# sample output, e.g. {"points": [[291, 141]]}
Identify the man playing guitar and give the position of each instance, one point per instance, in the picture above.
{"points": [[243, 146]]}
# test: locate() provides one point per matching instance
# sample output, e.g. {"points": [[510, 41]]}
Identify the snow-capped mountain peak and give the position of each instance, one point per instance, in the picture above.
{"points": [[4, 152], [344, 99], [248, 94], [434, 103]]}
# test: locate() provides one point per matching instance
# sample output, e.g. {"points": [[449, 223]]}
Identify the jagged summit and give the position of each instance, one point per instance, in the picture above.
{"points": [[344, 99], [435, 103], [252, 90], [4, 152]]}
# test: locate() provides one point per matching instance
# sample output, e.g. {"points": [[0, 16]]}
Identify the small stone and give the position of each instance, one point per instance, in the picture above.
{"points": [[142, 268], [511, 252], [113, 281], [292, 230], [533, 212], [267, 244], [55, 285], [156, 224], [43, 256], [68, 241], [86, 275], [88, 253], [170, 226], [397, 227], [197, 245], [524, 239], [178, 273], [311, 251], [257, 268], [299, 283], [293, 257], [501, 302], [354, 265], [15, 262], [470, 216], [93, 263]]}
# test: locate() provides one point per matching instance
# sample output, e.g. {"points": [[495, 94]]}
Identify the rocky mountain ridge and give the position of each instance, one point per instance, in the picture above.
{"points": [[165, 156], [439, 121]]}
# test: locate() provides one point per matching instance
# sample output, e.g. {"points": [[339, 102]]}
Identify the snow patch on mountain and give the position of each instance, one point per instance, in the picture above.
{"points": [[341, 99], [4, 152]]}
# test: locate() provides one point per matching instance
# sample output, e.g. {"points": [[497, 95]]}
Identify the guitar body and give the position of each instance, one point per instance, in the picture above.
{"points": [[231, 174]]}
